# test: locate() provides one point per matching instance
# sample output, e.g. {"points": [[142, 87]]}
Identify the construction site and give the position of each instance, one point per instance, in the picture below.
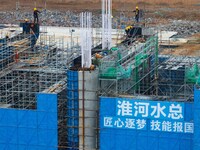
{"points": [[121, 83]]}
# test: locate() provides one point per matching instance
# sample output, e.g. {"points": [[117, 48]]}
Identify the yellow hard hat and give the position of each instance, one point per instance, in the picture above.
{"points": [[26, 20], [137, 7], [35, 8], [128, 27]]}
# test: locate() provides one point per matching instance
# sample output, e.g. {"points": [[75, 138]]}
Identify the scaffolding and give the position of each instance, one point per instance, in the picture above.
{"points": [[138, 69], [134, 67], [177, 76], [30, 67], [121, 70], [27, 69]]}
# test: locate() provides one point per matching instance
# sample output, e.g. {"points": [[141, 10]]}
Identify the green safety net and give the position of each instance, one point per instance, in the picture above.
{"points": [[192, 75], [117, 71], [114, 48], [139, 59], [110, 73]]}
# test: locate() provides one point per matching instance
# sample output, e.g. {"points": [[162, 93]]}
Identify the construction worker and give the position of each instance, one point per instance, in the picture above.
{"points": [[128, 29], [7, 36], [35, 15], [26, 28], [137, 14], [32, 29]]}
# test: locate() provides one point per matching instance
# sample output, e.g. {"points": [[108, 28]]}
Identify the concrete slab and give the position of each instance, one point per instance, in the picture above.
{"points": [[166, 39], [166, 35], [63, 33], [10, 30]]}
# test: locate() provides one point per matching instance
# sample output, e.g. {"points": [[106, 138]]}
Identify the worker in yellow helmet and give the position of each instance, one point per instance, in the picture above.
{"points": [[128, 28], [137, 13], [35, 15]]}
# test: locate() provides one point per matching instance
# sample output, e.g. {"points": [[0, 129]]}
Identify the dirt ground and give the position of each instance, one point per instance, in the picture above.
{"points": [[178, 9], [191, 48], [96, 4]]}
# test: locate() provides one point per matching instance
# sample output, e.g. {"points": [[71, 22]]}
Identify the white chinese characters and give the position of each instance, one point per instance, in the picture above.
{"points": [[175, 112], [189, 127], [154, 125], [141, 108], [124, 108], [130, 123], [141, 123], [150, 109], [166, 126], [169, 126], [124, 123], [118, 123], [108, 122], [158, 111]]}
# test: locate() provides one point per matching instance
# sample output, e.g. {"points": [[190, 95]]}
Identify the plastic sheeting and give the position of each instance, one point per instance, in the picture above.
{"points": [[30, 129], [125, 139]]}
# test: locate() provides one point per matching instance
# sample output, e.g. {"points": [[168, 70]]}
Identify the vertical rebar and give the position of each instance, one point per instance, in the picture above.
{"points": [[86, 38], [106, 24]]}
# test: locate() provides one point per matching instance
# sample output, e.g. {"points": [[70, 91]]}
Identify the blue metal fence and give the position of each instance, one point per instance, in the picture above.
{"points": [[30, 129], [196, 119], [72, 110]]}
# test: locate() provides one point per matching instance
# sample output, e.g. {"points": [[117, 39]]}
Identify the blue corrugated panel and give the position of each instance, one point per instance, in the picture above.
{"points": [[72, 110], [30, 129], [196, 119]]}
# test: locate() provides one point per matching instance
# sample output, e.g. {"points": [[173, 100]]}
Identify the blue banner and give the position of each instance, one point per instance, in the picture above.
{"points": [[129, 123], [152, 115]]}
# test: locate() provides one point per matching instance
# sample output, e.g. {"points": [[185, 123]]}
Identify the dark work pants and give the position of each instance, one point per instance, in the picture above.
{"points": [[36, 19], [137, 18]]}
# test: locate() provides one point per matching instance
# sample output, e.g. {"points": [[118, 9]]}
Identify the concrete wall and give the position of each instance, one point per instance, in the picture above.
{"points": [[90, 87]]}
